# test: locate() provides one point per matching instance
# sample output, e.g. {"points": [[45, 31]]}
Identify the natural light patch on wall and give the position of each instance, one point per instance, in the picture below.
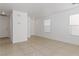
{"points": [[74, 24]]}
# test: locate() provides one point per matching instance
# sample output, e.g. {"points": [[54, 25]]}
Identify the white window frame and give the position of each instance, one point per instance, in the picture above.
{"points": [[74, 24], [47, 25]]}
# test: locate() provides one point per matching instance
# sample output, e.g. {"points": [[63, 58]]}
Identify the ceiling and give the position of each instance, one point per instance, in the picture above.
{"points": [[36, 9]]}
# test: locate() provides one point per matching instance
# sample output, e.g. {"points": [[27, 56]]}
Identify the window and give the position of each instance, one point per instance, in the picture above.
{"points": [[74, 24], [47, 25]]}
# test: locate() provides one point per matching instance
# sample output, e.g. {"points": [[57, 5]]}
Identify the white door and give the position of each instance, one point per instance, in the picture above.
{"points": [[19, 26]]}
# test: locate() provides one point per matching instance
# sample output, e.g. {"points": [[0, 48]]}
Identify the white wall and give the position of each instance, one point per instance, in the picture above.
{"points": [[4, 26], [11, 26], [29, 27], [60, 27], [32, 26], [19, 26]]}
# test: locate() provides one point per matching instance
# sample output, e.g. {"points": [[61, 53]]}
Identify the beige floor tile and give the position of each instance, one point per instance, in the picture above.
{"points": [[37, 46]]}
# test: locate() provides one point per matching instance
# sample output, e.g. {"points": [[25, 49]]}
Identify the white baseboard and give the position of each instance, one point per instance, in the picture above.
{"points": [[19, 41]]}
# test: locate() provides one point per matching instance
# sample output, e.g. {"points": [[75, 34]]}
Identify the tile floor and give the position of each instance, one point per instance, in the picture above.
{"points": [[37, 46]]}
